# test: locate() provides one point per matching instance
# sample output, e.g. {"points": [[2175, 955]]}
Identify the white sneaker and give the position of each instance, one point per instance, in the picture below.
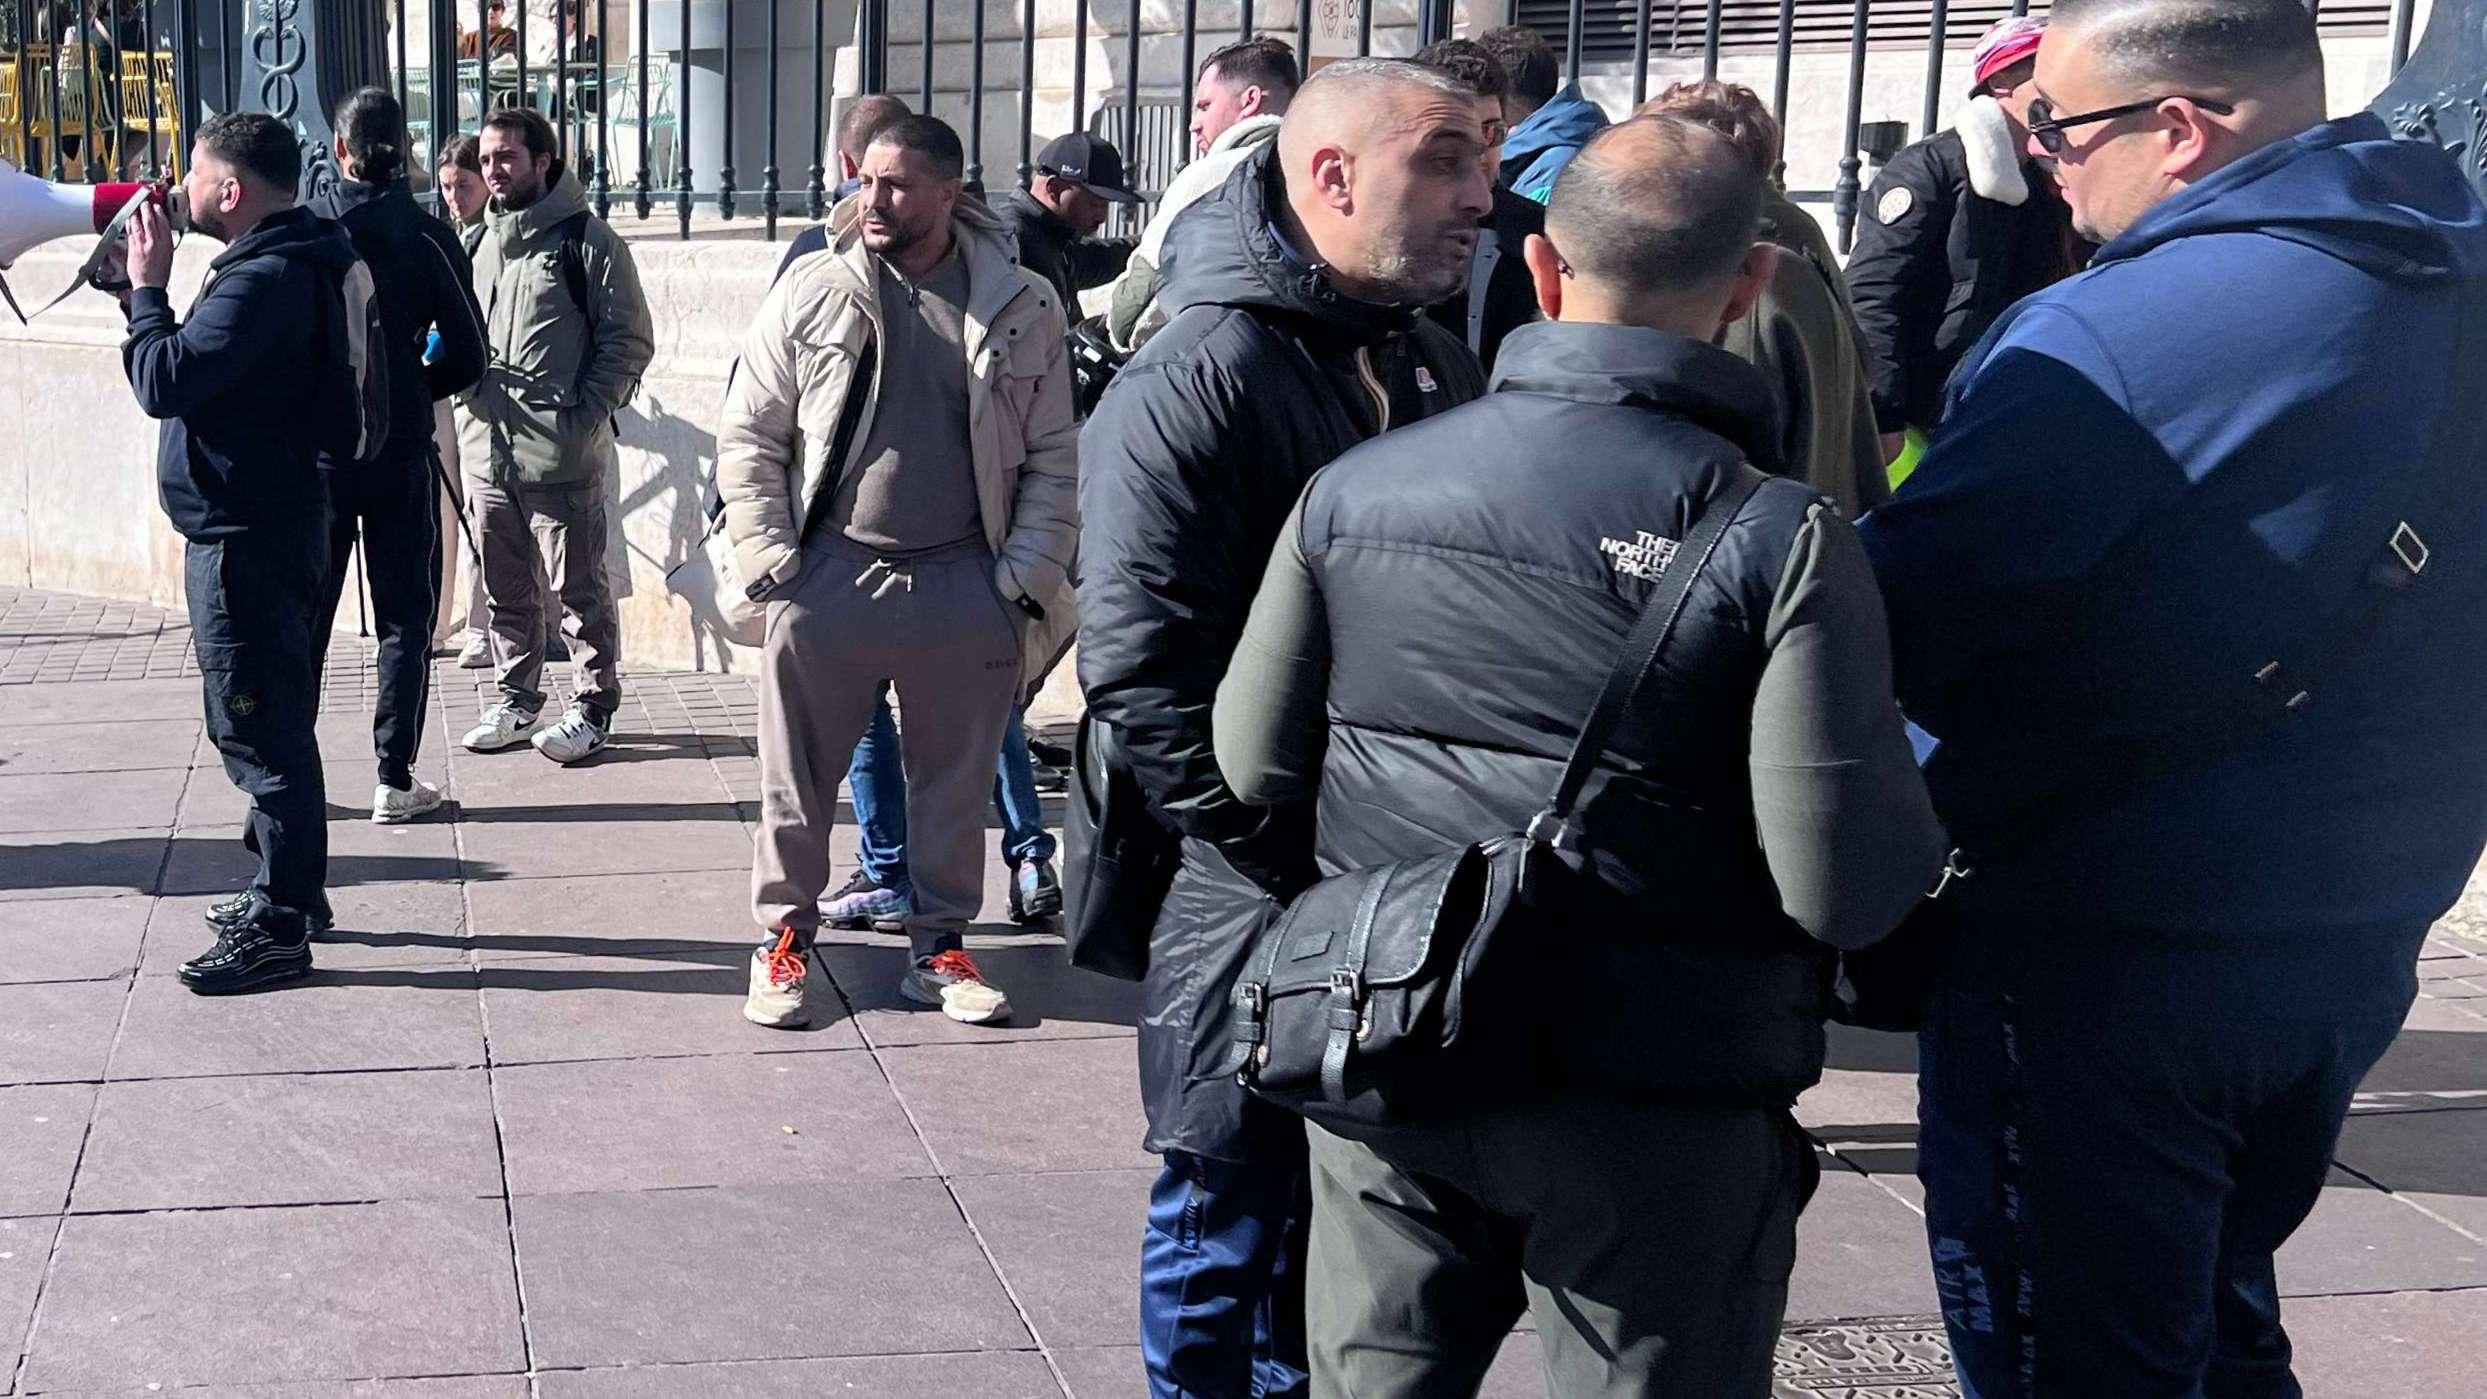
{"points": [[390, 806], [777, 975], [478, 653], [578, 737], [504, 726], [951, 982]]}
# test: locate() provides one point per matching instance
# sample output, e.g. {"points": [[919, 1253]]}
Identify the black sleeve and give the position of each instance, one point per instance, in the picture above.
{"points": [[1096, 261], [811, 240], [176, 366], [1166, 578], [463, 355], [1899, 273]]}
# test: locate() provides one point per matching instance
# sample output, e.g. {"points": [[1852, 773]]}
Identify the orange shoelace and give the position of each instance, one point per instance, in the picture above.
{"points": [[956, 965], [784, 961]]}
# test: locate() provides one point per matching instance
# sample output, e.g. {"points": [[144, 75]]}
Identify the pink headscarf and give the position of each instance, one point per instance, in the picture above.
{"points": [[2007, 42]]}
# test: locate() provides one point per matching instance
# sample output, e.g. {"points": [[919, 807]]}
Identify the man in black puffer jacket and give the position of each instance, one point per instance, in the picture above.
{"points": [[1452, 598], [1294, 334], [422, 280]]}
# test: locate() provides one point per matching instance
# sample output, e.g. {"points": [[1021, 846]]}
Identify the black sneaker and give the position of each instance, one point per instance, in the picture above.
{"points": [[235, 911], [1035, 892], [250, 955]]}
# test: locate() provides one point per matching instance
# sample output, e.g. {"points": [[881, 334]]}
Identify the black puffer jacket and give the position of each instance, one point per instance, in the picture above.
{"points": [[1263, 374], [1443, 730], [420, 273], [1059, 253], [1936, 262]]}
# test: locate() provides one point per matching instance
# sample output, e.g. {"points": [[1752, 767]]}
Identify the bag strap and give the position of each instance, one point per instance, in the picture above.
{"points": [[1346, 1002], [2282, 689], [850, 416], [1649, 635]]}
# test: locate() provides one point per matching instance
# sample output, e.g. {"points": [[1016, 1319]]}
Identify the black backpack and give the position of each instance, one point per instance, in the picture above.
{"points": [[361, 432]]}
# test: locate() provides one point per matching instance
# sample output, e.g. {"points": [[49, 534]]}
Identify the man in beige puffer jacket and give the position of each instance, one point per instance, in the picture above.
{"points": [[899, 468]]}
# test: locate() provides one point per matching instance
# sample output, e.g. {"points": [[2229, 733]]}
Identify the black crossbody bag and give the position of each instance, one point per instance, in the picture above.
{"points": [[1365, 1004]]}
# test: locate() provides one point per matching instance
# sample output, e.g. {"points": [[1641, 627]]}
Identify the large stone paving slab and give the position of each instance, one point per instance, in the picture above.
{"points": [[25, 1246], [985, 1375], [213, 801], [416, 1287], [81, 864], [290, 1139], [626, 838], [464, 1387], [2362, 1240], [1069, 1246], [70, 939], [1049, 998], [1027, 1105], [98, 747], [2397, 1346], [796, 1120], [2434, 1159], [1859, 1252], [563, 1008], [756, 1273], [41, 1127], [392, 1018], [58, 1031], [612, 915], [87, 801]]}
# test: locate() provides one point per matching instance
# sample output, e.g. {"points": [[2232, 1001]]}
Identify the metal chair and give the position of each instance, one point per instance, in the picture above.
{"points": [[147, 106]]}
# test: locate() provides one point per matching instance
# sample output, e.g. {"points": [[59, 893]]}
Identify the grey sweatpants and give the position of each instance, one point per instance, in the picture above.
{"points": [[933, 627], [556, 532]]}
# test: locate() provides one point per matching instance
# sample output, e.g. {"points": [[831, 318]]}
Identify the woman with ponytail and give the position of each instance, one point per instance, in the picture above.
{"points": [[423, 285]]}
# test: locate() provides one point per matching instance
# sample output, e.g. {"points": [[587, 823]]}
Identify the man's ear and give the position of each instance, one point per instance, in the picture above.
{"points": [[1761, 263], [2189, 137], [1252, 101], [1334, 178], [1545, 274]]}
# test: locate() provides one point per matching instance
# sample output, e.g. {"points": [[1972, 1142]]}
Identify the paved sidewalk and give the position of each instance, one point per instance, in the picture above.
{"points": [[515, 1139]]}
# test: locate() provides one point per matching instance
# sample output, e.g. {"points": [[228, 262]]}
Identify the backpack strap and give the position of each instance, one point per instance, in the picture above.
{"points": [[572, 253]]}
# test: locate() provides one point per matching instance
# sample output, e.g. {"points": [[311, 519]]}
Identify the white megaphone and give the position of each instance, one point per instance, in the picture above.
{"points": [[34, 212]]}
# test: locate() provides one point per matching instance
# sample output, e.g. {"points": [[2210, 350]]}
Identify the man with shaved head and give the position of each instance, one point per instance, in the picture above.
{"points": [[1440, 614], [2191, 591], [1294, 297]]}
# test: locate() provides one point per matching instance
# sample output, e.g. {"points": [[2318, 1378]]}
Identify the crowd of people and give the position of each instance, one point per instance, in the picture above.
{"points": [[1477, 484]]}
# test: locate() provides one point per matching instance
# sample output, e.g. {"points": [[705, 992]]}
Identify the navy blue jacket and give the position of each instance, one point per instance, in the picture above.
{"points": [[2161, 474], [234, 383]]}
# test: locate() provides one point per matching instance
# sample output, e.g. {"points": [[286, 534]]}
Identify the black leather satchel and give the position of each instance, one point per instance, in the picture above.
{"points": [[1364, 1006], [1118, 859]]}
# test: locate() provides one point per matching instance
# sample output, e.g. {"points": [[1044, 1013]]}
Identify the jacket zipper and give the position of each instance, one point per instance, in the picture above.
{"points": [[1373, 383]]}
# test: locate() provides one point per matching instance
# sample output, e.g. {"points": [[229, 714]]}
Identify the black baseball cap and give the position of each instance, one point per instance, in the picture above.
{"points": [[1091, 162]]}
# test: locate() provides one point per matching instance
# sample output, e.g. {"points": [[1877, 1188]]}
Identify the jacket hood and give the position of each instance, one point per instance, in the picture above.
{"points": [[292, 233], [346, 196], [1567, 119], [2398, 209], [1636, 367], [1251, 131], [563, 197], [1223, 251]]}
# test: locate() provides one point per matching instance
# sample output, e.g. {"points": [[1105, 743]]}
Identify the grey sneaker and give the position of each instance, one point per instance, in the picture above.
{"points": [[504, 726], [951, 983], [1035, 892], [478, 653], [390, 806], [777, 982], [579, 736], [865, 902]]}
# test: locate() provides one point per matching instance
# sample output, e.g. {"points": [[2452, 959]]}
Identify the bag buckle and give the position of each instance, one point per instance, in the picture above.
{"points": [[2410, 549], [1558, 837], [1953, 870]]}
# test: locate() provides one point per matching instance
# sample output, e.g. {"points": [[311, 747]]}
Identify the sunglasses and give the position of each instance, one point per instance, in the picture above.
{"points": [[2049, 128]]}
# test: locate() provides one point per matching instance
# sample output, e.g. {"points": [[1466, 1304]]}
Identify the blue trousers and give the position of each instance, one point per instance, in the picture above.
{"points": [[1222, 1279], [2107, 1180], [876, 782]]}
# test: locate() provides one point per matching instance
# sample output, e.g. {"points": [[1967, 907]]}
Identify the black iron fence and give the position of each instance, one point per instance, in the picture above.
{"points": [[719, 111]]}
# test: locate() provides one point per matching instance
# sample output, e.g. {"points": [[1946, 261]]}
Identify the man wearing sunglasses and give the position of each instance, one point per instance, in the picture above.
{"points": [[1956, 228], [2192, 592]]}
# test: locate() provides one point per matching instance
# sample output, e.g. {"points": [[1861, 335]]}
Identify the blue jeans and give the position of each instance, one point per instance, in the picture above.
{"points": [[1222, 1279], [2106, 1184], [876, 782]]}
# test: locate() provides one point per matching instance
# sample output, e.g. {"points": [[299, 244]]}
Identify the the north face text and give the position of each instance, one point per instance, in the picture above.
{"points": [[1644, 556]]}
